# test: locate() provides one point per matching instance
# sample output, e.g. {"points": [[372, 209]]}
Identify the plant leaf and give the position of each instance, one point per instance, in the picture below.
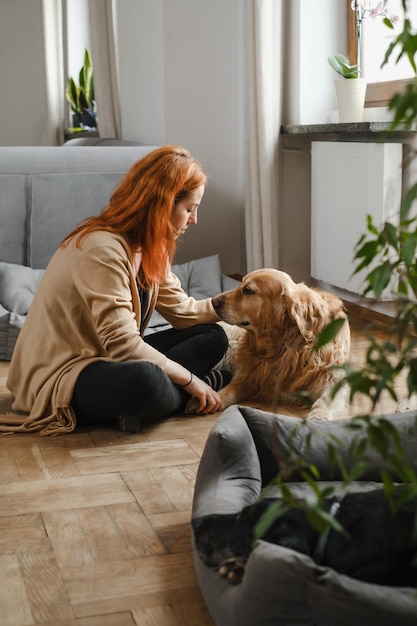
{"points": [[329, 332]]}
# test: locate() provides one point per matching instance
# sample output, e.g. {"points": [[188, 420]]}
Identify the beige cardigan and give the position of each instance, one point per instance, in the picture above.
{"points": [[86, 309]]}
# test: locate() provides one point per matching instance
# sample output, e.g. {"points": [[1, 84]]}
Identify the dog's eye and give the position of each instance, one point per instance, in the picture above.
{"points": [[248, 291]]}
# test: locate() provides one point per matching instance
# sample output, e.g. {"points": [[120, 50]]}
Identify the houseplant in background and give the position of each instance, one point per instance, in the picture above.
{"points": [[350, 89], [81, 96], [341, 65], [350, 94]]}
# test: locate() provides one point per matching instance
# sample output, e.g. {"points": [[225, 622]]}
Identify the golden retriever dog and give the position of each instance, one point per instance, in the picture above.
{"points": [[273, 356]]}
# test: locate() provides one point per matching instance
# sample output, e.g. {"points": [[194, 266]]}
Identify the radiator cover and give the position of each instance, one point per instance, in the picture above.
{"points": [[350, 180]]}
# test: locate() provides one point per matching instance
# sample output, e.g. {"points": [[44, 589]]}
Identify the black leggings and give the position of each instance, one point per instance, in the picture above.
{"points": [[105, 390]]}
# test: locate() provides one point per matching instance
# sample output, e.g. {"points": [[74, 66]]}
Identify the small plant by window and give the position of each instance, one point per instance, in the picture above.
{"points": [[80, 96], [342, 66]]}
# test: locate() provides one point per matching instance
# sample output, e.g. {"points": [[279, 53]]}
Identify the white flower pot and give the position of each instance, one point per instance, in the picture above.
{"points": [[350, 95]]}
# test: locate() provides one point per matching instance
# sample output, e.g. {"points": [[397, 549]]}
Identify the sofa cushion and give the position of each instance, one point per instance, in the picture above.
{"points": [[59, 202], [18, 284], [17, 288], [10, 325], [200, 278], [14, 217]]}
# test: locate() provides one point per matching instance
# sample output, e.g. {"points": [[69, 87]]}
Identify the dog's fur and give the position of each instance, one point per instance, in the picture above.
{"points": [[272, 355], [377, 547]]}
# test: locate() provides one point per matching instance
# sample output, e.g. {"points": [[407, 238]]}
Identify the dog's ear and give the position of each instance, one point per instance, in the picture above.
{"points": [[308, 311]]}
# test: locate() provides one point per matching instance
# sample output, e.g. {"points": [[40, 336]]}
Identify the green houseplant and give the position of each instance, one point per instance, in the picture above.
{"points": [[350, 94], [342, 66], [81, 96]]}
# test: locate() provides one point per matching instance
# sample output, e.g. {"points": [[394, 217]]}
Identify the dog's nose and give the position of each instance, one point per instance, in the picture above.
{"points": [[216, 302]]}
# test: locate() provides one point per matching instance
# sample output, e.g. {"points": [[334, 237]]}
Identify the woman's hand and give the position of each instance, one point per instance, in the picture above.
{"points": [[204, 398]]}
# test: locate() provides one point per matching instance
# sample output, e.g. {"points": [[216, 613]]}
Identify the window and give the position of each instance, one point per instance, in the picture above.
{"points": [[376, 36]]}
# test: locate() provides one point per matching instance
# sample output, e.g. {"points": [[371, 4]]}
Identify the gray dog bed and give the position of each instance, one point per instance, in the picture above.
{"points": [[280, 586]]}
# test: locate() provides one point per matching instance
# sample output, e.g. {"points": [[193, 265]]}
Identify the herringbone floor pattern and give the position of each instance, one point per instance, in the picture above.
{"points": [[94, 526]]}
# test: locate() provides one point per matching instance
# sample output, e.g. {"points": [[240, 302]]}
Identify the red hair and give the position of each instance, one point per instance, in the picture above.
{"points": [[141, 207]]}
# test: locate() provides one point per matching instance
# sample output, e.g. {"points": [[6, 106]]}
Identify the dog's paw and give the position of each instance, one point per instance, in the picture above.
{"points": [[191, 408], [233, 569], [409, 404], [319, 415]]}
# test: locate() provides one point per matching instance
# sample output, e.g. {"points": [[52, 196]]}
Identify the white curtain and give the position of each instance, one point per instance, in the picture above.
{"points": [[105, 70], [263, 102], [54, 72]]}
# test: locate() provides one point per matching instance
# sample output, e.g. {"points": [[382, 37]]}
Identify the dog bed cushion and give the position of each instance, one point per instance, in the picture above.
{"points": [[285, 587], [311, 439], [280, 586], [200, 278]]}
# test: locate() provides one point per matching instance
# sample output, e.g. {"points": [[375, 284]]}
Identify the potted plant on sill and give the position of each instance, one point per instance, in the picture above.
{"points": [[350, 93], [81, 96], [350, 89], [341, 65]]}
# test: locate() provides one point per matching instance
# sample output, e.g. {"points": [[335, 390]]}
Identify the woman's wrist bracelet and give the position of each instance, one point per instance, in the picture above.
{"points": [[189, 382]]}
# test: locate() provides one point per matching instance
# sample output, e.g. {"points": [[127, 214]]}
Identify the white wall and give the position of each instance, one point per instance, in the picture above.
{"points": [[140, 57], [78, 35], [318, 29], [22, 73]]}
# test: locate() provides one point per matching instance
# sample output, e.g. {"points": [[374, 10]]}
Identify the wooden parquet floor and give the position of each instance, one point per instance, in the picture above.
{"points": [[95, 525]]}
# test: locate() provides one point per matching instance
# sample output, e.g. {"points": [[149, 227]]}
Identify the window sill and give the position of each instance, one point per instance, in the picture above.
{"points": [[347, 128], [355, 131]]}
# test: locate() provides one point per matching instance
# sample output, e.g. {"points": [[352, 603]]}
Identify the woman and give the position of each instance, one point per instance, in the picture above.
{"points": [[81, 356]]}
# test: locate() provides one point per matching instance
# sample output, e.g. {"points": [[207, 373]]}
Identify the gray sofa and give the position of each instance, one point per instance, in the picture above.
{"points": [[244, 452], [44, 193]]}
